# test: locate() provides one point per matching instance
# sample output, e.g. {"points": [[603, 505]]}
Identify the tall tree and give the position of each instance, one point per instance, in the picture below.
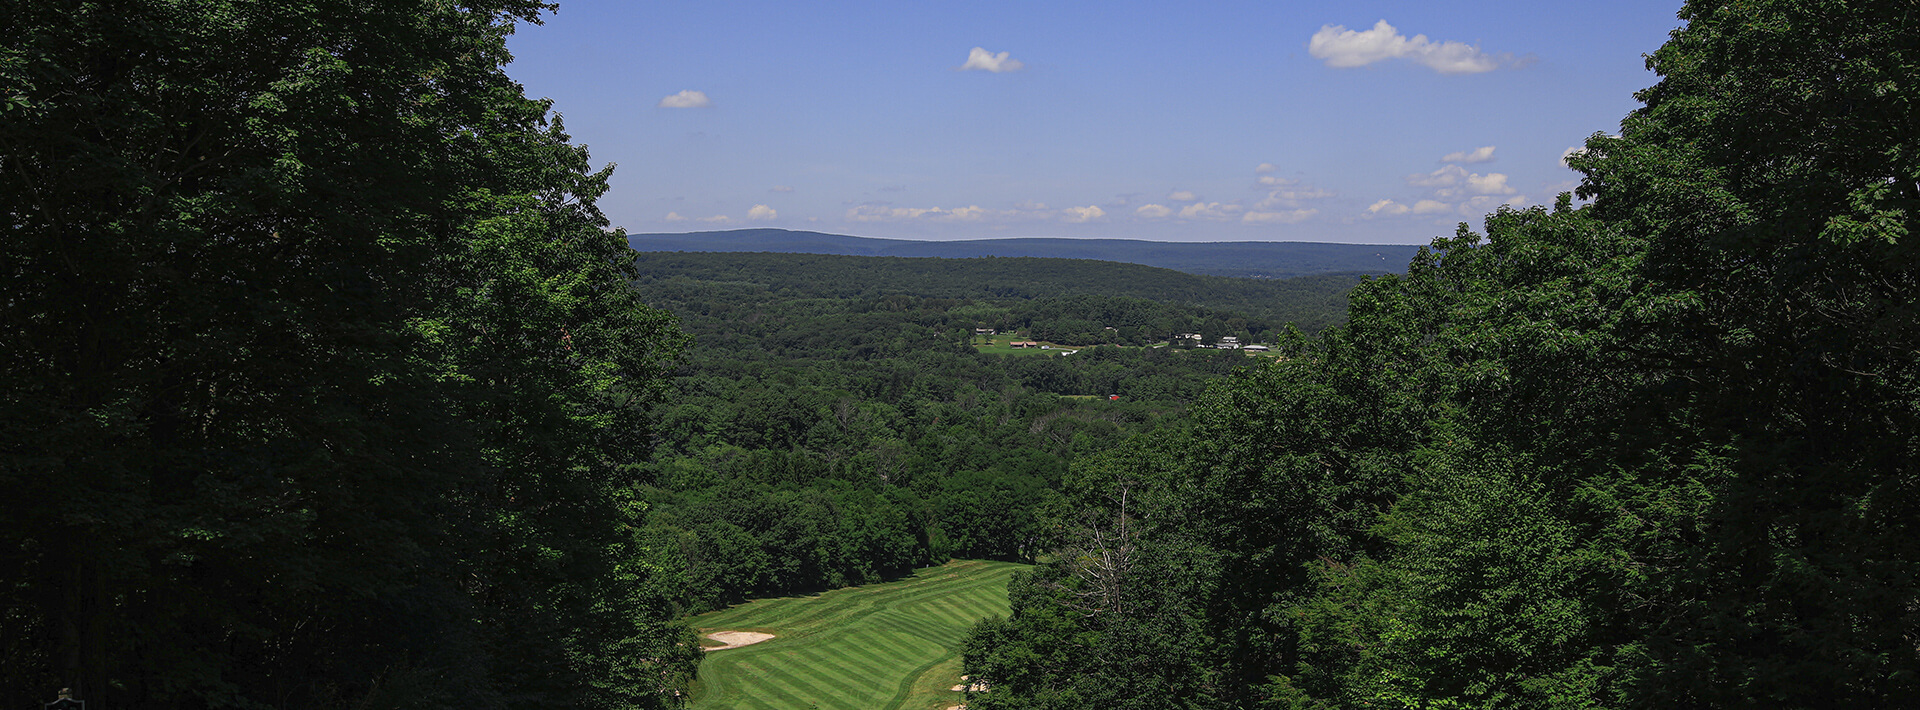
{"points": [[1775, 173], [1655, 452], [319, 367]]}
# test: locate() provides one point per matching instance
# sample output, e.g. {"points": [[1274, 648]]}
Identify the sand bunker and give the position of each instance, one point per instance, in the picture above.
{"points": [[736, 639]]}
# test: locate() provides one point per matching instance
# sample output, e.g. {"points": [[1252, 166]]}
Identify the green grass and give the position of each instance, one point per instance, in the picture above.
{"points": [[893, 646], [1010, 350], [999, 345]]}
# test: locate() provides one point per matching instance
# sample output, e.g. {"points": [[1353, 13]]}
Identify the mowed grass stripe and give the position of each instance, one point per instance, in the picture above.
{"points": [[780, 687], [818, 687], [976, 604], [811, 675], [969, 613], [947, 614], [869, 670], [775, 695], [959, 607], [881, 655], [756, 703], [858, 648], [980, 610], [954, 614], [958, 614], [798, 612], [918, 627], [907, 595], [886, 654], [789, 611]]}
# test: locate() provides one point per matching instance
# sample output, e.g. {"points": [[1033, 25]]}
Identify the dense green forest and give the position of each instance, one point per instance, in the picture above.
{"points": [[1309, 302], [834, 424], [1655, 451], [326, 385]]}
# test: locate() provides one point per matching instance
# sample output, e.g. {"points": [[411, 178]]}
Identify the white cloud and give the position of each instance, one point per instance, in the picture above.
{"points": [[1487, 203], [984, 60], [1287, 217], [1387, 207], [1452, 181], [781, 188], [884, 213], [1211, 210], [1024, 212], [687, 99], [1153, 211], [1273, 181], [1482, 154], [762, 212], [1182, 196], [1291, 197], [1340, 47], [1452, 189], [675, 217], [1265, 168], [971, 213], [1084, 214], [879, 213], [1447, 176], [1489, 184]]}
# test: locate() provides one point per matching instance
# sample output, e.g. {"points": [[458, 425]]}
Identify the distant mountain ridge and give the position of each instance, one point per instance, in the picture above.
{"points": [[1271, 260]]}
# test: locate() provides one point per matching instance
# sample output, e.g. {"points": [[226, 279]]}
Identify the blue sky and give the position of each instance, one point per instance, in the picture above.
{"points": [[1210, 121]]}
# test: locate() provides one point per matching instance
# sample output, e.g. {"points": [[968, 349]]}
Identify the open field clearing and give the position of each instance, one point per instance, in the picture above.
{"points": [[1002, 345], [892, 646]]}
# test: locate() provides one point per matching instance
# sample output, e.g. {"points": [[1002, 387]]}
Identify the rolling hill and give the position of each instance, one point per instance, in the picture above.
{"points": [[1267, 260], [686, 278]]}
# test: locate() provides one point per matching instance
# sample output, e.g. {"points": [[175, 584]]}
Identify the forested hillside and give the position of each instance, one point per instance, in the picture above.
{"points": [[1656, 451], [1310, 302], [835, 424], [1264, 260]]}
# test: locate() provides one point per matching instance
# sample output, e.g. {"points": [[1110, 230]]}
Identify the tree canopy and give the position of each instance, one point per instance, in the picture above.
{"points": [[320, 368], [326, 385], [1654, 451]]}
